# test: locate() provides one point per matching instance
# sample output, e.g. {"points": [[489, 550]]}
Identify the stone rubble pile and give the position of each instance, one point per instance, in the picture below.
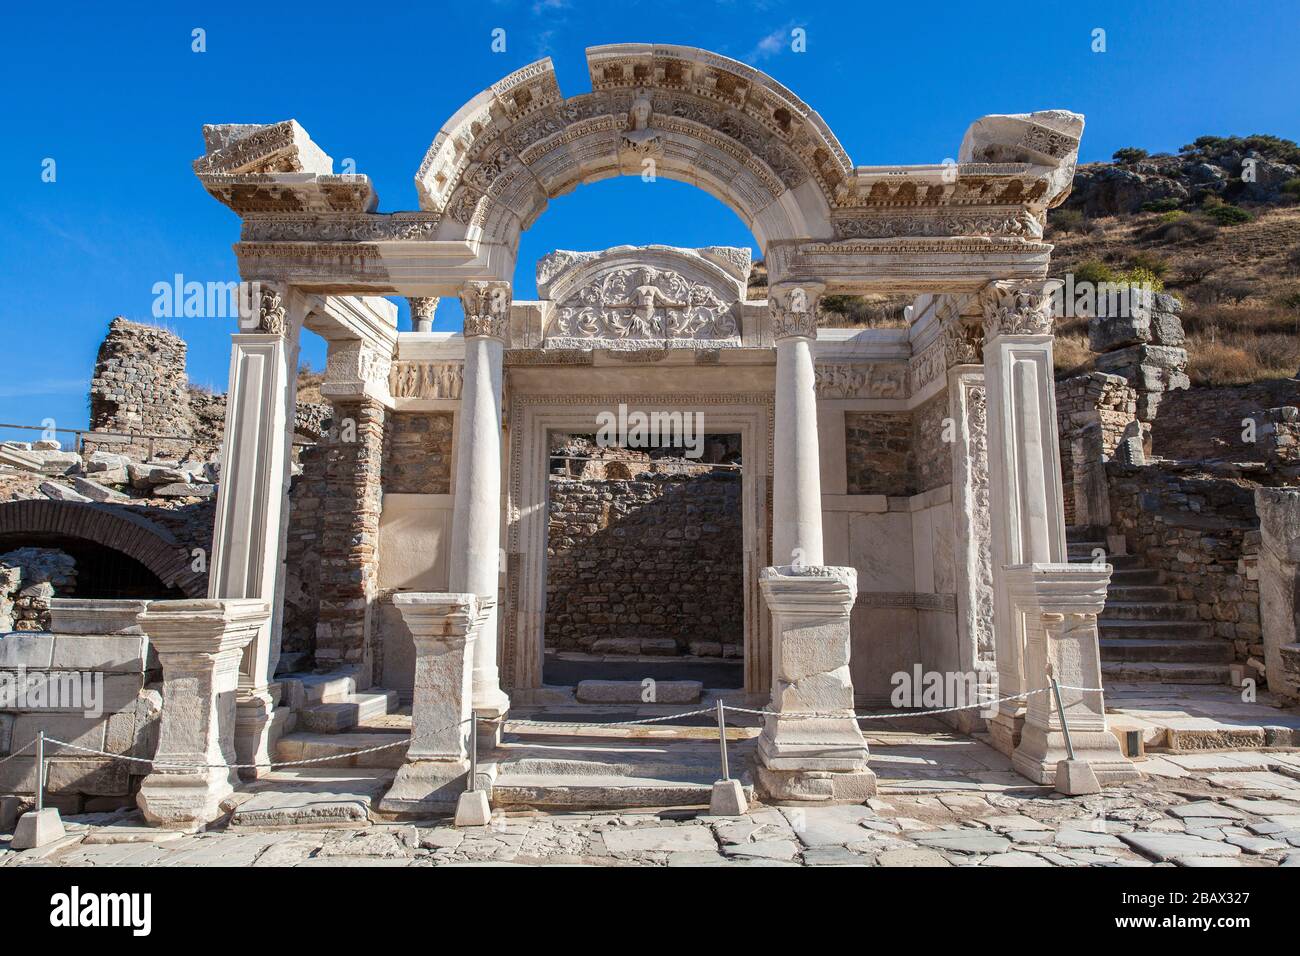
{"points": [[29, 579], [108, 476], [1141, 340]]}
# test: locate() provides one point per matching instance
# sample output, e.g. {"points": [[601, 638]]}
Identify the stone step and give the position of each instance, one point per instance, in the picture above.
{"points": [[1155, 630], [1134, 576], [304, 689], [603, 793], [1117, 610], [1141, 592], [1082, 550], [1173, 652], [1125, 562], [338, 716], [308, 746], [635, 692], [1163, 672]]}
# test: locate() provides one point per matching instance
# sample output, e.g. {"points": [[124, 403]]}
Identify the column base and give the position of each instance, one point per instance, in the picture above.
{"points": [[427, 786], [819, 786], [259, 724], [1005, 730], [184, 801], [1040, 752]]}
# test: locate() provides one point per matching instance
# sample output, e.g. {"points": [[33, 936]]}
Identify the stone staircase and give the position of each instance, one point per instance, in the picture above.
{"points": [[1146, 633], [333, 718]]}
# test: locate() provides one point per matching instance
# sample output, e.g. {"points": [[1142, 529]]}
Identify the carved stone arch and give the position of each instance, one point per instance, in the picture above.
{"points": [[130, 534], [697, 117]]}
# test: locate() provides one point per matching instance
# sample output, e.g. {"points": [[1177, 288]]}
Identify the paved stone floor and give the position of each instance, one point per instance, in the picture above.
{"points": [[1207, 809]]}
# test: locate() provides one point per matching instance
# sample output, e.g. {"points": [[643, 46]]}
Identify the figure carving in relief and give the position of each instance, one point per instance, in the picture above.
{"points": [[639, 137]]}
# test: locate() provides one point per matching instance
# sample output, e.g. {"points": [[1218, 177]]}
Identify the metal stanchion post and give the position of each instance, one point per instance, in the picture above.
{"points": [[473, 749], [1060, 709], [40, 771], [722, 740]]}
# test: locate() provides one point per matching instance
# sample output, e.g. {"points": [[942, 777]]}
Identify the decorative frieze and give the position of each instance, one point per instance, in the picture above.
{"points": [[870, 380], [427, 380], [350, 227]]}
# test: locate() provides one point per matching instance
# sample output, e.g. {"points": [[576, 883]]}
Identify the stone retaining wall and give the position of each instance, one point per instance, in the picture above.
{"points": [[1202, 531], [651, 565]]}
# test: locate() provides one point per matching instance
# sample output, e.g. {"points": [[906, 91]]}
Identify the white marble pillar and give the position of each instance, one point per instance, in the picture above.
{"points": [[796, 466], [249, 537], [199, 645], [422, 309], [444, 628], [476, 511], [1025, 490]]}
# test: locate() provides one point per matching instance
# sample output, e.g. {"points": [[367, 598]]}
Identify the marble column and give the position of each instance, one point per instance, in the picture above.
{"points": [[444, 628], [251, 528], [796, 466], [422, 309], [476, 511], [199, 645]]}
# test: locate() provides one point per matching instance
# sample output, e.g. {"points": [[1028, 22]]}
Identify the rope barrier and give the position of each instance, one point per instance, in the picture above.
{"points": [[19, 752], [642, 721]]}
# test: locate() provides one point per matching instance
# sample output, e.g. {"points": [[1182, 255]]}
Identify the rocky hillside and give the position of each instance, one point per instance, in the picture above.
{"points": [[1217, 225]]}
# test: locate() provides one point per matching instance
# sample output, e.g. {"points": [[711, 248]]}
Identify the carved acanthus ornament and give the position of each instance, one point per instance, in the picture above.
{"points": [[487, 308], [422, 310], [794, 309], [1018, 307]]}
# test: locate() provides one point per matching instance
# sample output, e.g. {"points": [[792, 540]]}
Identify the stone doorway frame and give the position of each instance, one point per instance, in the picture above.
{"points": [[532, 418]]}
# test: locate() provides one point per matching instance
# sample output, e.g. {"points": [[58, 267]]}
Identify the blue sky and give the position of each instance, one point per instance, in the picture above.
{"points": [[115, 95]]}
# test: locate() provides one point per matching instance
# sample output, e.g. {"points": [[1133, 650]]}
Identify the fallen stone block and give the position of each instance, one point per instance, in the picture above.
{"points": [[639, 692], [97, 492], [181, 489], [57, 492]]}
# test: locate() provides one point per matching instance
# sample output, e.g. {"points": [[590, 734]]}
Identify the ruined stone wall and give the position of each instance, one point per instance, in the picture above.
{"points": [[651, 565], [898, 453], [1092, 411], [417, 453], [1202, 531], [1207, 423], [308, 501], [932, 456], [878, 446], [139, 382]]}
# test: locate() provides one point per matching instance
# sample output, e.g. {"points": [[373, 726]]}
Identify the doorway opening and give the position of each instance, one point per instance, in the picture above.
{"points": [[645, 562]]}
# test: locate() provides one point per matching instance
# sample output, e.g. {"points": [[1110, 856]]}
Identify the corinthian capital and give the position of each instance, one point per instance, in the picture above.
{"points": [[422, 309], [794, 309], [487, 308], [1018, 307]]}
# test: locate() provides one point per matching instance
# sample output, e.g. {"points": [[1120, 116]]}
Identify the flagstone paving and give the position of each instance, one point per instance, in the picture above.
{"points": [[1248, 819]]}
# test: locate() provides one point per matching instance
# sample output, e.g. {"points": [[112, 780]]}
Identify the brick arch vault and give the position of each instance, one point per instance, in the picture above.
{"points": [[132, 535]]}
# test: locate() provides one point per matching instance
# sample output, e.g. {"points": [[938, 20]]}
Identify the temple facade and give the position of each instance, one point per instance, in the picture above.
{"points": [[900, 500]]}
